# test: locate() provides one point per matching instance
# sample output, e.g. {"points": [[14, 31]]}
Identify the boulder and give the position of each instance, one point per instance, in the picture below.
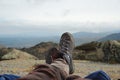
{"points": [[107, 51], [16, 54]]}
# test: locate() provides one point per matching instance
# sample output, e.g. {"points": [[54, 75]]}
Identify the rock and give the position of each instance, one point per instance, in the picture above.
{"points": [[16, 54], [107, 51], [111, 51]]}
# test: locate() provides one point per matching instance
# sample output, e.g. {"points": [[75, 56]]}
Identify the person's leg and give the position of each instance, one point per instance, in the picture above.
{"points": [[45, 72], [60, 63], [9, 77], [66, 47], [98, 75]]}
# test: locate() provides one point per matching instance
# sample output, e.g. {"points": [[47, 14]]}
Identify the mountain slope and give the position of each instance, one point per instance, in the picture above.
{"points": [[106, 51], [20, 42], [85, 37], [88, 34], [115, 36], [40, 49], [1, 46]]}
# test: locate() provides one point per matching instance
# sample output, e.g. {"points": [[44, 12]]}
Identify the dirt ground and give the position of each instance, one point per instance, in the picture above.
{"points": [[82, 68]]}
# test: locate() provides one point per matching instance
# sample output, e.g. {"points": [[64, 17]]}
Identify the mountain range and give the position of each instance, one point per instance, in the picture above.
{"points": [[85, 37], [115, 36], [80, 38]]}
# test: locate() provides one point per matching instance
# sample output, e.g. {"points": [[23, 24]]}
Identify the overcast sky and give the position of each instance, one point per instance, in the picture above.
{"points": [[52, 17]]}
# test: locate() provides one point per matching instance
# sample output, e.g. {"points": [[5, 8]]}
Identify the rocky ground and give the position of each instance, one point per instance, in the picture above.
{"points": [[82, 68]]}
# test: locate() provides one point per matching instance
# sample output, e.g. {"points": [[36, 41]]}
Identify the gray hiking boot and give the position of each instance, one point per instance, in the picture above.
{"points": [[66, 47]]}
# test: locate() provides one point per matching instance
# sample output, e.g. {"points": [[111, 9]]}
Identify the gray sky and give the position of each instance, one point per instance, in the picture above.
{"points": [[51, 17]]}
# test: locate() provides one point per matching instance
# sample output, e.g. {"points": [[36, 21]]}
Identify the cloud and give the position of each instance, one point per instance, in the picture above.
{"points": [[57, 16], [61, 10]]}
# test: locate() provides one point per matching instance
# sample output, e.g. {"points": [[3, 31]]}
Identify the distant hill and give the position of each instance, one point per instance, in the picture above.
{"points": [[85, 37], [40, 49], [1, 46], [88, 34], [20, 42], [115, 36]]}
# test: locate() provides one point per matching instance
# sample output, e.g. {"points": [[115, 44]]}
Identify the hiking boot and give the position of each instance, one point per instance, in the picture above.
{"points": [[51, 55], [66, 47]]}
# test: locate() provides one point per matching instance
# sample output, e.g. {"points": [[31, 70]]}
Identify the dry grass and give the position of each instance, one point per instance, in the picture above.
{"points": [[19, 67], [82, 68]]}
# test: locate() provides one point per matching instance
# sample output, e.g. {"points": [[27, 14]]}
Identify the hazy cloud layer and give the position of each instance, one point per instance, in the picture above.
{"points": [[57, 16]]}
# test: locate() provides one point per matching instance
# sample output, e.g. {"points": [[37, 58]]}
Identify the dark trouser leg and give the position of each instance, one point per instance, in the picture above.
{"points": [[58, 70]]}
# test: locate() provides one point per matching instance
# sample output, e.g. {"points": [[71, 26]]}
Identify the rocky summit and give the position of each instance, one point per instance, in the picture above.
{"points": [[107, 51], [10, 53], [40, 49]]}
